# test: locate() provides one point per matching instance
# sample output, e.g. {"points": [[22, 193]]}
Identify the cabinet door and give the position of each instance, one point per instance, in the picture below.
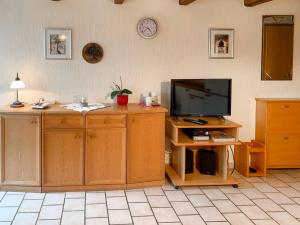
{"points": [[62, 157], [283, 150], [145, 147], [106, 156], [20, 150]]}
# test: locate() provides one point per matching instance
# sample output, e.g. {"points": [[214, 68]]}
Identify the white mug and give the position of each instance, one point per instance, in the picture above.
{"points": [[148, 101]]}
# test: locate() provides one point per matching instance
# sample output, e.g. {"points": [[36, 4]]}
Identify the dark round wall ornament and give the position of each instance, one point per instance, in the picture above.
{"points": [[92, 53]]}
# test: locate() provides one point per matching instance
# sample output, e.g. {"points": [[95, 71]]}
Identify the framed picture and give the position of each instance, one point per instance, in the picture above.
{"points": [[58, 43], [221, 43]]}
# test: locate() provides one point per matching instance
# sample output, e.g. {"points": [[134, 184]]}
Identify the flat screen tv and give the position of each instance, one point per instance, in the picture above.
{"points": [[201, 97]]}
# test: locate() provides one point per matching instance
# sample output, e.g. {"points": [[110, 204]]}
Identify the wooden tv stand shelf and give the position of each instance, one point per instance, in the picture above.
{"points": [[178, 143], [56, 149]]}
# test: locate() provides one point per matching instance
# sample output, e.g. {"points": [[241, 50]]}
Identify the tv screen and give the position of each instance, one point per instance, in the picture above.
{"points": [[201, 97]]}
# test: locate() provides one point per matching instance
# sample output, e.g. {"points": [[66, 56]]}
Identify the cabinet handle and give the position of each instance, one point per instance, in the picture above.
{"points": [[285, 138], [106, 121], [33, 122], [285, 106], [78, 136]]}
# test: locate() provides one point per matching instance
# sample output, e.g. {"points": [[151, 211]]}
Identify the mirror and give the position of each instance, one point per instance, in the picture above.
{"points": [[277, 47]]}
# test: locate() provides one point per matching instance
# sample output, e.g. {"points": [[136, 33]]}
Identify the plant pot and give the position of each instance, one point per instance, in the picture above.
{"points": [[122, 99]]}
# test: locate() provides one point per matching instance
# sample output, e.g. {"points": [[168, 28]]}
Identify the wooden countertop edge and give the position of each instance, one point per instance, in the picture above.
{"points": [[278, 99], [132, 108]]}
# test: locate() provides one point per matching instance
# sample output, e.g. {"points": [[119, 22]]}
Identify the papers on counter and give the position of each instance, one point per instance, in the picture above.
{"points": [[79, 108]]}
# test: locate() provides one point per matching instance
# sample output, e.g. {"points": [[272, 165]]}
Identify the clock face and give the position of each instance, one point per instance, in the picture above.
{"points": [[147, 28]]}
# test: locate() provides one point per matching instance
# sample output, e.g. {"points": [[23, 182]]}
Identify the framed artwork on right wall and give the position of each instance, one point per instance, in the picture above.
{"points": [[221, 43]]}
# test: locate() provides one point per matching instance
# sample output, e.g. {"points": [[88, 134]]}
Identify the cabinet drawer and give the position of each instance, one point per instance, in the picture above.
{"points": [[62, 121], [99, 121], [284, 116], [283, 150]]}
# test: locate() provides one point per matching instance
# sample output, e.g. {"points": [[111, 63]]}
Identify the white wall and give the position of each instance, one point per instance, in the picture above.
{"points": [[179, 51]]}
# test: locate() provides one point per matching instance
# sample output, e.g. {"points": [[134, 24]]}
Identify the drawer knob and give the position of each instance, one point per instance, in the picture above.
{"points": [[285, 106], [106, 121], [285, 138], [77, 136], [34, 122], [92, 136]]}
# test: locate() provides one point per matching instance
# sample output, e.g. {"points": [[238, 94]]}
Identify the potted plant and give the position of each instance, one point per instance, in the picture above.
{"points": [[122, 94]]}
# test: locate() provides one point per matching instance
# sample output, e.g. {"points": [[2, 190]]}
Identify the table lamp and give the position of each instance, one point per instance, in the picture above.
{"points": [[17, 84]]}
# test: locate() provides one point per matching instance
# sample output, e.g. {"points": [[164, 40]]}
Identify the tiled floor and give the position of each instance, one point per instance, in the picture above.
{"points": [[262, 201]]}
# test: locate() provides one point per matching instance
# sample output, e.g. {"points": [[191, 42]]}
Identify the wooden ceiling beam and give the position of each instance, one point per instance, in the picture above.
{"points": [[185, 2], [250, 3], [119, 1]]}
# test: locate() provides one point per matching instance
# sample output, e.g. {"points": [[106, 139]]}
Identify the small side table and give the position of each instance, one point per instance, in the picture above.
{"points": [[250, 159]]}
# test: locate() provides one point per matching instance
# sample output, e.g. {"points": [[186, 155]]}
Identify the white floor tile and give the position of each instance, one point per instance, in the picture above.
{"points": [[35, 196], [297, 200], [210, 214], [252, 193], [214, 194], [279, 198], [289, 192], [51, 212], [183, 208], [154, 191], [73, 218], [8, 213], [75, 195], [169, 224], [25, 219], [265, 222], [285, 177], [117, 193], [119, 217], [294, 210], [295, 185], [283, 218], [240, 199], [192, 191], [2, 193], [5, 223], [229, 190], [74, 204], [191, 220], [148, 220], [96, 221], [140, 209], [31, 206], [267, 205], [158, 201], [264, 187], [54, 199], [48, 222], [253, 212], [95, 197], [225, 206], [165, 215], [117, 203], [96, 210], [238, 219], [176, 196], [199, 200], [136, 196], [218, 223], [11, 200]]}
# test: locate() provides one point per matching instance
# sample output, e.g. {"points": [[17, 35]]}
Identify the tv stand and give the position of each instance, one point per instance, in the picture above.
{"points": [[178, 143]]}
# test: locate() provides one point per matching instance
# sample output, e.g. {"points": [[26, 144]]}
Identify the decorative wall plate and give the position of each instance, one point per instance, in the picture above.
{"points": [[147, 27], [92, 53]]}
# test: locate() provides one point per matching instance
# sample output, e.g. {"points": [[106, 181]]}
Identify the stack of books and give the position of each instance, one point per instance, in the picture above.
{"points": [[220, 136], [196, 134]]}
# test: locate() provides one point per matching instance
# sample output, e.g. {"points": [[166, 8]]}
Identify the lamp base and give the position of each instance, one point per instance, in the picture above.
{"points": [[17, 104]]}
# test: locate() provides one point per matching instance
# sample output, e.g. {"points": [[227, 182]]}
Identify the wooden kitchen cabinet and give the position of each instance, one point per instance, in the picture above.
{"points": [[20, 150], [105, 156], [277, 125], [145, 147], [63, 157]]}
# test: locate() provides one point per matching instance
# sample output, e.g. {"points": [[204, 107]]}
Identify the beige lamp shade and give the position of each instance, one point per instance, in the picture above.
{"points": [[17, 83]]}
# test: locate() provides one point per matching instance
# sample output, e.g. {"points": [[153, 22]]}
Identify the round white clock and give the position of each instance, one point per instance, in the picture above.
{"points": [[147, 27]]}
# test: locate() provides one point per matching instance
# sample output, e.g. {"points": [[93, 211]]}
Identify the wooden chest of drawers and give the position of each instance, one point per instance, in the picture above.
{"points": [[278, 125]]}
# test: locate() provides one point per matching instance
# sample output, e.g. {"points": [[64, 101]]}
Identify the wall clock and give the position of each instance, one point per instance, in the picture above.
{"points": [[147, 27]]}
